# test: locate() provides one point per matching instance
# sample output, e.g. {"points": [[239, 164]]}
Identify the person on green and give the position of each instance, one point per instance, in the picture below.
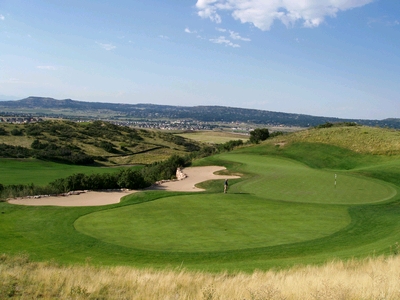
{"points": [[226, 186]]}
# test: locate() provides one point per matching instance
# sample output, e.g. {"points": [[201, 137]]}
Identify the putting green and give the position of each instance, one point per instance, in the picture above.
{"points": [[287, 180], [209, 222]]}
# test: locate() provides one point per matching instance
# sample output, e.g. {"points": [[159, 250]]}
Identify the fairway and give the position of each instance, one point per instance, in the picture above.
{"points": [[284, 202], [40, 172], [280, 212], [212, 223]]}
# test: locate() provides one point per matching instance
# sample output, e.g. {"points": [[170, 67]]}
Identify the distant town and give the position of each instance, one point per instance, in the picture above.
{"points": [[172, 125]]}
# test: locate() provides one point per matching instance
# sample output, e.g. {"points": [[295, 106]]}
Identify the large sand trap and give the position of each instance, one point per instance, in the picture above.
{"points": [[84, 199], [194, 175]]}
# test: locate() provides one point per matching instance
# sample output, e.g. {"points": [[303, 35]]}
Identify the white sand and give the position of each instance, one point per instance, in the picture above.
{"points": [[195, 175]]}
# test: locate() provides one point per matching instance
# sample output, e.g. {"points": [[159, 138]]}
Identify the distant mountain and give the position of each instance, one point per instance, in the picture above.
{"points": [[197, 113]]}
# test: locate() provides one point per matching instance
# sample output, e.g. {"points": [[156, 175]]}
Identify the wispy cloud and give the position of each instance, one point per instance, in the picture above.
{"points": [[2, 18], [164, 37], [224, 41], [383, 21], [50, 68], [236, 36], [262, 14], [107, 47], [187, 30]]}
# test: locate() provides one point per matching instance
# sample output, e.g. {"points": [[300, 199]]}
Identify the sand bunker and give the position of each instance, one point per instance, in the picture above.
{"points": [[90, 198], [195, 175]]}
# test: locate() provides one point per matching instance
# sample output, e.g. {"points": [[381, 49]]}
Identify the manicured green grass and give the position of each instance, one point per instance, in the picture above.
{"points": [[286, 180], [210, 222], [38, 172], [280, 213]]}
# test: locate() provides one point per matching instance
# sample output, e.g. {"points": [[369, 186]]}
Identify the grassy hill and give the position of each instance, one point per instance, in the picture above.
{"points": [[359, 139], [286, 210], [102, 142]]}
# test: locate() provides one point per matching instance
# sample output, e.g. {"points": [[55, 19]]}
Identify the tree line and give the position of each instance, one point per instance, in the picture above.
{"points": [[124, 179]]}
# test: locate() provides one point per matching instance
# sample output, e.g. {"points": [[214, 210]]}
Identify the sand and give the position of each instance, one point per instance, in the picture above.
{"points": [[195, 175]]}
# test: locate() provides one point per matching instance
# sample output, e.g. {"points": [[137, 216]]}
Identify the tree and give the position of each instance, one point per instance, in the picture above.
{"points": [[258, 135], [3, 131]]}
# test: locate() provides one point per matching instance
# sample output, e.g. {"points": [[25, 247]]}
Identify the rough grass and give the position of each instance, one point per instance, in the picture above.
{"points": [[371, 278], [359, 139], [214, 137]]}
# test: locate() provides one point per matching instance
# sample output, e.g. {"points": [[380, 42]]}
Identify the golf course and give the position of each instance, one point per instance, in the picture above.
{"points": [[287, 206]]}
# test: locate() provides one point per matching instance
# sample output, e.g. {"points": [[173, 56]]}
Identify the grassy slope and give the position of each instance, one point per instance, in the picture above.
{"points": [[359, 139], [38, 172], [49, 233], [214, 137], [132, 146]]}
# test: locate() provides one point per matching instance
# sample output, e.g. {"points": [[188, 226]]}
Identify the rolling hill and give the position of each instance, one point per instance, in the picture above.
{"points": [[77, 109], [84, 143]]}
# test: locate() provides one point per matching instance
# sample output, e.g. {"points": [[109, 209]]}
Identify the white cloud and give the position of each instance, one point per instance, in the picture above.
{"points": [[107, 47], [207, 9], [224, 41], [236, 36], [2, 18], [220, 29], [164, 37], [187, 30], [262, 13], [50, 68]]}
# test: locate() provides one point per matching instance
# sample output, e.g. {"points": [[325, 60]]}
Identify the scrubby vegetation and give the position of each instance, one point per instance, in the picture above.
{"points": [[124, 179], [88, 143]]}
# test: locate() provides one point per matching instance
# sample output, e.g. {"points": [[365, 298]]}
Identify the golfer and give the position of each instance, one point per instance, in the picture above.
{"points": [[225, 186]]}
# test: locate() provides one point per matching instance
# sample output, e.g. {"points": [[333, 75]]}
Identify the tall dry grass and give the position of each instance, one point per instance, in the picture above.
{"points": [[373, 278], [361, 139]]}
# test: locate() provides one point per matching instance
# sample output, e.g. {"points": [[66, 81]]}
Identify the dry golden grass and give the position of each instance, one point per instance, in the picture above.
{"points": [[214, 137], [373, 278], [361, 139]]}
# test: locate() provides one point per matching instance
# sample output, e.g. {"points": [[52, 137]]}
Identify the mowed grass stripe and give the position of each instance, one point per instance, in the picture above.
{"points": [[210, 222]]}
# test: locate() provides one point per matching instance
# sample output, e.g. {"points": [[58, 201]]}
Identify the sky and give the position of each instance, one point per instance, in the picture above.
{"points": [[333, 58]]}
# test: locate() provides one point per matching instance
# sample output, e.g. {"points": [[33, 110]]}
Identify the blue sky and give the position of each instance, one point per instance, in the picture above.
{"points": [[336, 58]]}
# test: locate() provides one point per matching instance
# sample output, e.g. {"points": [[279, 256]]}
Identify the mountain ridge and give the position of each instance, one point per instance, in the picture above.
{"points": [[201, 113]]}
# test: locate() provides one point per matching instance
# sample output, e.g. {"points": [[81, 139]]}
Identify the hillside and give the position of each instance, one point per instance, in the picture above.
{"points": [[85, 143], [360, 139], [95, 110]]}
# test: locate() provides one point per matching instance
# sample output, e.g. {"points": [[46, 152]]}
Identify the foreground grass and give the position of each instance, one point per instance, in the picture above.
{"points": [[370, 278]]}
